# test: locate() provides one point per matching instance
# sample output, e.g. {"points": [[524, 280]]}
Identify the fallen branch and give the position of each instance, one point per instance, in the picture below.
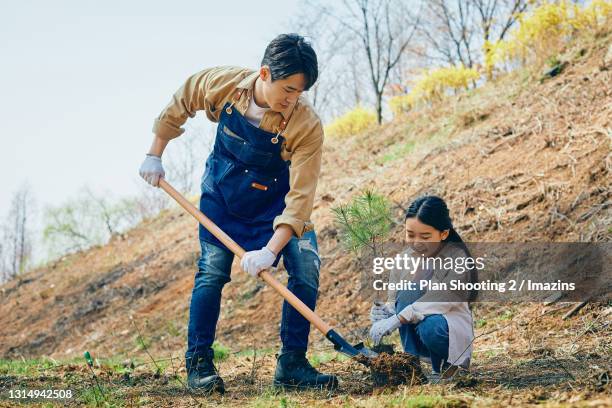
{"points": [[575, 309]]}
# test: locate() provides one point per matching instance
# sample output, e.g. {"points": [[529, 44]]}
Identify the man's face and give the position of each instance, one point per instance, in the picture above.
{"points": [[281, 94]]}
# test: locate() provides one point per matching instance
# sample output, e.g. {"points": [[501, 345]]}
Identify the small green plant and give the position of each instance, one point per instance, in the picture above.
{"points": [[173, 330], [491, 353], [26, 367], [553, 61], [221, 352], [397, 152], [142, 343], [427, 401], [259, 352], [272, 397], [97, 392], [365, 223], [316, 359], [100, 397]]}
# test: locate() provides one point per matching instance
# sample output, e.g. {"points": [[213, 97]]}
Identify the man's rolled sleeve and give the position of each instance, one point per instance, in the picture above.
{"points": [[303, 176], [189, 99]]}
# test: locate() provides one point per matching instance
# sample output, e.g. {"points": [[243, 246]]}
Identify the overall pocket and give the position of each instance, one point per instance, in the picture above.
{"points": [[207, 179], [242, 150], [247, 194]]}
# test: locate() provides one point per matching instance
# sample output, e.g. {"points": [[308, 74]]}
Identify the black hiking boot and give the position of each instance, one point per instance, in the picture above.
{"points": [[202, 374], [294, 371]]}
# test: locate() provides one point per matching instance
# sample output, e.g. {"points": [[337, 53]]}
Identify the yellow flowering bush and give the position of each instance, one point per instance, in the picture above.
{"points": [[596, 14], [401, 103], [541, 32], [433, 85], [351, 123]]}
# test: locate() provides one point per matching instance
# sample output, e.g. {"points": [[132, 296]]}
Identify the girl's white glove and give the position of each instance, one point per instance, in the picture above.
{"points": [[383, 327], [411, 315], [380, 312], [152, 170]]}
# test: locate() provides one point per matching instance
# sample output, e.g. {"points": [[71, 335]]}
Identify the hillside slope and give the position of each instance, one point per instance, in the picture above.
{"points": [[517, 160]]}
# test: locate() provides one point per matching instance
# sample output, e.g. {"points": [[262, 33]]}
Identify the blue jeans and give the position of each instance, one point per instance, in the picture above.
{"points": [[428, 338], [301, 259]]}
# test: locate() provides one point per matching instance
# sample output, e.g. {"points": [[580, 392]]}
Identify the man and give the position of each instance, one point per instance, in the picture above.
{"points": [[258, 186]]}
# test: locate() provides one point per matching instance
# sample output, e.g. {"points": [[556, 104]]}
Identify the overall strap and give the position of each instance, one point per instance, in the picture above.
{"points": [[235, 99], [283, 125]]}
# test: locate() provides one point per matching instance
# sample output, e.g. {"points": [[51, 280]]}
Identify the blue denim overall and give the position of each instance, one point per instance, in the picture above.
{"points": [[243, 188], [245, 182]]}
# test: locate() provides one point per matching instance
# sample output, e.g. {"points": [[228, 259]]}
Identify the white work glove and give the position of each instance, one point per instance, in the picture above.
{"points": [[152, 170], [254, 262], [383, 327], [411, 315], [381, 312]]}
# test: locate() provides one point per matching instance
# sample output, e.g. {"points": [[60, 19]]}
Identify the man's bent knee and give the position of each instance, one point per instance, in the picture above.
{"points": [[214, 267]]}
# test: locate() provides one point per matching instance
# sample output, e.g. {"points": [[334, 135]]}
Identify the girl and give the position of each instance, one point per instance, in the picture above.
{"points": [[436, 327]]}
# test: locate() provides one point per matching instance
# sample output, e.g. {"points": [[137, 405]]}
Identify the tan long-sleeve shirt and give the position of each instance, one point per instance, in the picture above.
{"points": [[210, 89]]}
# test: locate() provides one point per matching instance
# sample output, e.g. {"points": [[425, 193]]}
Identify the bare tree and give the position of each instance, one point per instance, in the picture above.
{"points": [[185, 157], [354, 70], [17, 237], [93, 218], [457, 30], [183, 162], [149, 200], [4, 272], [89, 219], [114, 215], [496, 16], [69, 228], [332, 91], [384, 29], [450, 30]]}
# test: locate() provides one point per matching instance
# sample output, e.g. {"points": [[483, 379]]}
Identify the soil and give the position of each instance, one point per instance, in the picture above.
{"points": [[395, 369]]}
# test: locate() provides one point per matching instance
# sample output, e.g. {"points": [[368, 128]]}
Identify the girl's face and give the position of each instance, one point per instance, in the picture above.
{"points": [[423, 239]]}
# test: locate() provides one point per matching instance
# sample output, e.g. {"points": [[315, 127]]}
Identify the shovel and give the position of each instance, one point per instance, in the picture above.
{"points": [[340, 344]]}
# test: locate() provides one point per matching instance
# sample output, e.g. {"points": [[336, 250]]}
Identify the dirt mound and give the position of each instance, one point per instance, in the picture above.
{"points": [[395, 369]]}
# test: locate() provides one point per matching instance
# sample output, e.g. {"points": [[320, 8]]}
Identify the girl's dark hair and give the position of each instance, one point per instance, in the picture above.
{"points": [[432, 210], [290, 54]]}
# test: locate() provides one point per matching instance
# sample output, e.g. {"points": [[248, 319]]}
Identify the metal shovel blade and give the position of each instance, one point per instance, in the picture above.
{"points": [[344, 347]]}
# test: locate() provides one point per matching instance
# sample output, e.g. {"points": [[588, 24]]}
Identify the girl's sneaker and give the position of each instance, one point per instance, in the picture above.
{"points": [[449, 371], [445, 376], [434, 378]]}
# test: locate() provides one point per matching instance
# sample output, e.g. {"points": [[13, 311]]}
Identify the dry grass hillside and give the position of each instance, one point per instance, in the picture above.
{"points": [[522, 159]]}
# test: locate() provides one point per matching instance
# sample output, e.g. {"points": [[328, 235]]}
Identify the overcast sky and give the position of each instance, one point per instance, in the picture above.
{"points": [[81, 82]]}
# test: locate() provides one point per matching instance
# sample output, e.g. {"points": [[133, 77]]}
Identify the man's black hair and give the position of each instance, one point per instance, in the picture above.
{"points": [[290, 54]]}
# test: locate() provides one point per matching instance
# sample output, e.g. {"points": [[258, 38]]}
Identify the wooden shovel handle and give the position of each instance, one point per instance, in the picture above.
{"points": [[239, 252]]}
